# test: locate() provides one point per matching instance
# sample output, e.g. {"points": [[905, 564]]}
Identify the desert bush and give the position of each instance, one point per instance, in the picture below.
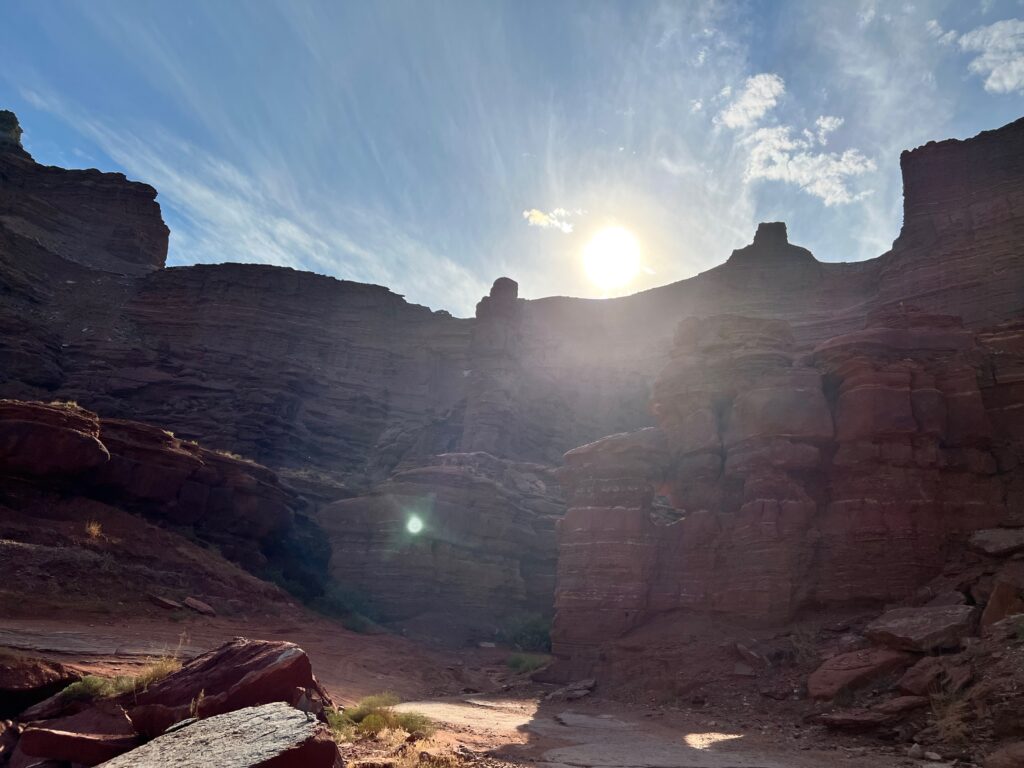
{"points": [[527, 662], [529, 633], [94, 529], [375, 714]]}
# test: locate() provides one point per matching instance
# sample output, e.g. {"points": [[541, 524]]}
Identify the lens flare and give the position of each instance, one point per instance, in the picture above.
{"points": [[414, 524]]}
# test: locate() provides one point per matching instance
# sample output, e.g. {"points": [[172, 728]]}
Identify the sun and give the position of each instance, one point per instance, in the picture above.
{"points": [[612, 258]]}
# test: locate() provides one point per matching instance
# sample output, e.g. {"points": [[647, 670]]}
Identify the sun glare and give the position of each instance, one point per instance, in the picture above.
{"points": [[612, 258]]}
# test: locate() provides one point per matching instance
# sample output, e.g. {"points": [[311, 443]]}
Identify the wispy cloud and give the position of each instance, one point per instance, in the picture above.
{"points": [[1000, 55], [944, 37], [556, 219], [220, 213], [760, 93], [777, 155]]}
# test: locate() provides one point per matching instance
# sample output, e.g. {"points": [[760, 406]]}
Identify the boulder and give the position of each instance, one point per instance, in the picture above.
{"points": [[849, 671], [936, 673], [24, 682], [923, 629], [241, 673], [1007, 595], [272, 735], [199, 606], [90, 736], [998, 542]]}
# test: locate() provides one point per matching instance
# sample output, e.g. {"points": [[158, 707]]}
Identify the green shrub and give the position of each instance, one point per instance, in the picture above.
{"points": [[527, 662], [371, 705], [374, 714], [530, 633], [372, 724]]}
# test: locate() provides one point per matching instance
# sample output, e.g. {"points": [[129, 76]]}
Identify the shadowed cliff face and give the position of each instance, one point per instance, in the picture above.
{"points": [[298, 370], [343, 385]]}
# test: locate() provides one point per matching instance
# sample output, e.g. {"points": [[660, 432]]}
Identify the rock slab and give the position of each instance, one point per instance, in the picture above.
{"points": [[925, 629], [269, 736]]}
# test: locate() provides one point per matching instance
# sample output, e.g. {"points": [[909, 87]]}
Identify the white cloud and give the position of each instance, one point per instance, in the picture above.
{"points": [[827, 124], [776, 155], [942, 36], [760, 93], [1000, 59], [556, 219], [696, 105]]}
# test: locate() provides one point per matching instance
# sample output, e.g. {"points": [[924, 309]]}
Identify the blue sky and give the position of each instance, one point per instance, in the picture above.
{"points": [[434, 146]]}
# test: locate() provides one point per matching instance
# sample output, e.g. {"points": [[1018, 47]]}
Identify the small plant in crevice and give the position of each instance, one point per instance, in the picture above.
{"points": [[93, 687], [94, 529]]}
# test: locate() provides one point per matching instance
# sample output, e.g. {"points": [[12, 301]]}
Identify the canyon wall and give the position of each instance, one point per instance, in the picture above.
{"points": [[345, 388]]}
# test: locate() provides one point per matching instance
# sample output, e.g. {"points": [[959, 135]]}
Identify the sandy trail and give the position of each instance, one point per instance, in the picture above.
{"points": [[602, 734]]}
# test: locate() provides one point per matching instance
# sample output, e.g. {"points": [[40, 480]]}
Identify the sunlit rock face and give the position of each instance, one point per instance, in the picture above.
{"points": [[846, 475]]}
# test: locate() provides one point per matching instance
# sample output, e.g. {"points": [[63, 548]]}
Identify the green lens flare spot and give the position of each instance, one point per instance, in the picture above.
{"points": [[414, 525]]}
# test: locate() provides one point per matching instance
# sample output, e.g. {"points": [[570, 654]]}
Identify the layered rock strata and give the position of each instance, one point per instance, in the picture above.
{"points": [[846, 475], [302, 371]]}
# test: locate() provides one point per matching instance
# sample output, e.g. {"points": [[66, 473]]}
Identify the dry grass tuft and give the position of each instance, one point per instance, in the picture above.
{"points": [[94, 529], [952, 715], [93, 687]]}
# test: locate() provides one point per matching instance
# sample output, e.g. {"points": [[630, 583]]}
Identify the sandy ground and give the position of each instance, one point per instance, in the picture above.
{"points": [[461, 691]]}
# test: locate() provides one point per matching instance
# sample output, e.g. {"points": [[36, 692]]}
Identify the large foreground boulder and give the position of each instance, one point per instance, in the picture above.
{"points": [[269, 736], [241, 673]]}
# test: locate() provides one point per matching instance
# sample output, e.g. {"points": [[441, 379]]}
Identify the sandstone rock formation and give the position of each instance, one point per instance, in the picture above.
{"points": [[298, 370], [269, 736], [849, 474], [259, 700], [24, 682], [831, 432], [466, 544], [58, 461]]}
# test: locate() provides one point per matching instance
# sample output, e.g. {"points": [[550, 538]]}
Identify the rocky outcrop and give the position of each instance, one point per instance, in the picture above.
{"points": [[845, 475], [260, 698], [463, 545], [226, 500], [97, 220], [24, 682]]}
